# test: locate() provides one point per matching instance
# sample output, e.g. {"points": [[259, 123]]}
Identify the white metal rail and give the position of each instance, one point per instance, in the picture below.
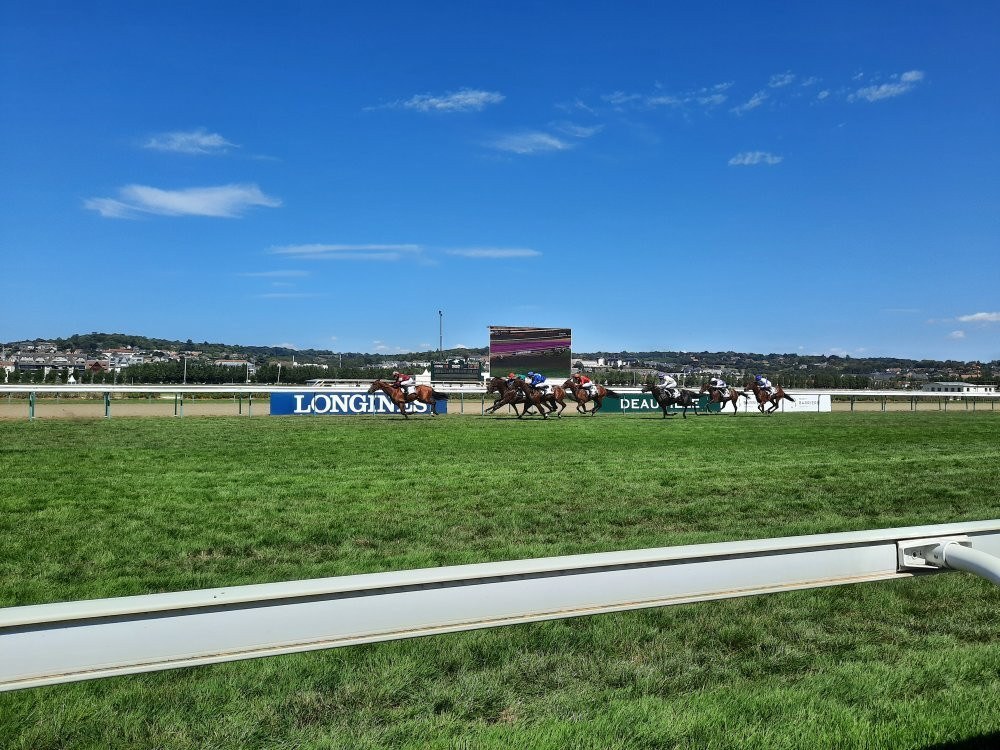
{"points": [[65, 642]]}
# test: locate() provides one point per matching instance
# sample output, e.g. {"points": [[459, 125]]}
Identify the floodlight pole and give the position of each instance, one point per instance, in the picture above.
{"points": [[440, 331]]}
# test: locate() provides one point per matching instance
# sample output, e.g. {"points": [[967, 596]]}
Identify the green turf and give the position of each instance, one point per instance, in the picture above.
{"points": [[90, 509]]}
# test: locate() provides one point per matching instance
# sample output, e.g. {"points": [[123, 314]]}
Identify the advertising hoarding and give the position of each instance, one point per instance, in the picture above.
{"points": [[341, 403]]}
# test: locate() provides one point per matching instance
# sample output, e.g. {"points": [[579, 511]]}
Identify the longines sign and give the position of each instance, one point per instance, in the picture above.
{"points": [[340, 403]]}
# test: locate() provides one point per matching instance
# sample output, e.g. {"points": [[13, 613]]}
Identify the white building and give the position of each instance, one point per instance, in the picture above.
{"points": [[958, 387]]}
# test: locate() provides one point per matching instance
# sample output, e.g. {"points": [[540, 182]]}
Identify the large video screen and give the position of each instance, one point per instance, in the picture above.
{"points": [[545, 350]]}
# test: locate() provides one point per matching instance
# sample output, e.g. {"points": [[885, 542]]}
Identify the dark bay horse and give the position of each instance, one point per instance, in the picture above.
{"points": [[716, 397], [763, 397], [582, 396], [666, 399], [425, 394], [533, 397], [507, 396], [555, 395]]}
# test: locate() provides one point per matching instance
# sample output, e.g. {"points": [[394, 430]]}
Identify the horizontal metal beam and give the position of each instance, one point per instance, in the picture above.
{"points": [[65, 642]]}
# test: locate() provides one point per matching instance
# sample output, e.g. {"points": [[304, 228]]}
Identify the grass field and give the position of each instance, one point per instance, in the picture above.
{"points": [[109, 508]]}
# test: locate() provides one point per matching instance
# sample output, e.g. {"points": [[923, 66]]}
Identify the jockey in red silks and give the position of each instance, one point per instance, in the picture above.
{"points": [[404, 381], [584, 382]]}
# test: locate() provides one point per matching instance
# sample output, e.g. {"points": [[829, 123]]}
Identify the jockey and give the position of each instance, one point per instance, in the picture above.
{"points": [[668, 384], [584, 382], [537, 380], [718, 384], [765, 385], [404, 381]]}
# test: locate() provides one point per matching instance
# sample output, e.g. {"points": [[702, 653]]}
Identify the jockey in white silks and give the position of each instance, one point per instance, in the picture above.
{"points": [[720, 385], [669, 384], [765, 385]]}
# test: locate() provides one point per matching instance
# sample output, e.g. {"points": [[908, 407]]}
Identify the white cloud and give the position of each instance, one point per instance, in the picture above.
{"points": [[198, 141], [823, 94], [900, 84], [781, 79], [956, 335], [620, 97], [495, 252], [750, 158], [285, 345], [463, 100], [347, 252], [333, 338], [577, 131], [274, 274], [707, 96], [752, 103], [223, 201], [811, 80], [459, 346], [532, 142], [980, 317]]}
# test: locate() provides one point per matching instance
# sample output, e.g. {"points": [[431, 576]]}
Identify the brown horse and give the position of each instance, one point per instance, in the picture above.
{"points": [[582, 396], [556, 395], [508, 396], [425, 394], [534, 397], [763, 397], [666, 399], [715, 397]]}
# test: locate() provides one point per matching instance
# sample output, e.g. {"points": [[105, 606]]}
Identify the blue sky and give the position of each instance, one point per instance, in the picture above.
{"points": [[756, 177]]}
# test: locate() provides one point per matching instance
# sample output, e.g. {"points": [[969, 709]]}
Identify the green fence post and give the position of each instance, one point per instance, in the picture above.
{"points": [[31, 405], [107, 405]]}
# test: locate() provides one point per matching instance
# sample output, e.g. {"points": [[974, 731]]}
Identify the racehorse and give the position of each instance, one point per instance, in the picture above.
{"points": [[555, 395], [666, 399], [425, 394], [582, 396], [766, 398], [533, 397], [716, 397], [508, 395]]}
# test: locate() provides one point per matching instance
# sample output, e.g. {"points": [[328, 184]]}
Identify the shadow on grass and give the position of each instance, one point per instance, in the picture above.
{"points": [[991, 740]]}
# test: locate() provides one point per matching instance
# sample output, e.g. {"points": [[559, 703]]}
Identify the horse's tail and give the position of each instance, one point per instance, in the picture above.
{"points": [[439, 396], [785, 395], [609, 392]]}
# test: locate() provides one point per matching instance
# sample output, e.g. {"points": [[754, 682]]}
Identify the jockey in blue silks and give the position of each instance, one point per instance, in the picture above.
{"points": [[537, 380]]}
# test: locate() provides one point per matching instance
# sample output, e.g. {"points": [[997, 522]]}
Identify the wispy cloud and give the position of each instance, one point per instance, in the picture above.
{"points": [[198, 141], [494, 252], [529, 142], [823, 94], [577, 131], [707, 97], [751, 158], [274, 274], [223, 201], [463, 100], [285, 345], [780, 80], [347, 252], [899, 84], [811, 80], [752, 103], [957, 335], [980, 317]]}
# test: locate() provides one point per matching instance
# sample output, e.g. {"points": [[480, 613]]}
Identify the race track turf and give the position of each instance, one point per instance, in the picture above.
{"points": [[129, 506]]}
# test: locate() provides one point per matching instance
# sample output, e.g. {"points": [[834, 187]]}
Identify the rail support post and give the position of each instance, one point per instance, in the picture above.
{"points": [[249, 405], [31, 405], [949, 552], [241, 404], [107, 405]]}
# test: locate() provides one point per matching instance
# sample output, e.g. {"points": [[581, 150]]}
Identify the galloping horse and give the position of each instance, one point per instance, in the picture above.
{"points": [[533, 397], [508, 395], [556, 395], [582, 396], [716, 397], [765, 398], [425, 394], [666, 399]]}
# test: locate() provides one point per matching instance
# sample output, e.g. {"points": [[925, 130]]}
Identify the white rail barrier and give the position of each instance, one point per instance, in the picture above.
{"points": [[66, 642]]}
